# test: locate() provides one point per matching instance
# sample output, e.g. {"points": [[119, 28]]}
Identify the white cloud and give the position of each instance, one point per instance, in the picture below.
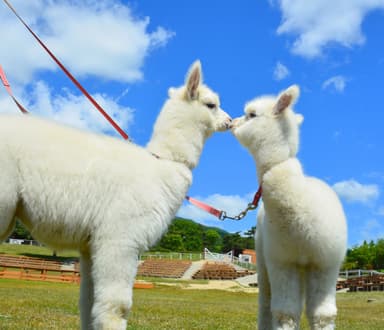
{"points": [[231, 204], [320, 23], [353, 191], [337, 82], [72, 110], [98, 39], [280, 72], [92, 38]]}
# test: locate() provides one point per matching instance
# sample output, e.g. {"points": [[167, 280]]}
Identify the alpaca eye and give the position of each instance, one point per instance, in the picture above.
{"points": [[251, 115], [211, 105]]}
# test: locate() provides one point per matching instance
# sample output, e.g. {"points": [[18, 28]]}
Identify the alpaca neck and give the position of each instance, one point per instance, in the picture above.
{"points": [[265, 165], [282, 183], [291, 166], [178, 145]]}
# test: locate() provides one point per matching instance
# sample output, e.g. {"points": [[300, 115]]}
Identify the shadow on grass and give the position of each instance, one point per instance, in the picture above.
{"points": [[51, 258]]}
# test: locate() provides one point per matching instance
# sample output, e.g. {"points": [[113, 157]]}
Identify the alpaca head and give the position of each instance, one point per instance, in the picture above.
{"points": [[189, 116], [270, 129], [196, 104]]}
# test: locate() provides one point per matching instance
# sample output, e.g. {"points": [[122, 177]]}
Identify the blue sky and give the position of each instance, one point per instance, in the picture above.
{"points": [[128, 53]]}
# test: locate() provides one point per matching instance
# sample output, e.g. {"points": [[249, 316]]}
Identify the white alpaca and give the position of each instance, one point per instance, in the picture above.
{"points": [[301, 231], [107, 198]]}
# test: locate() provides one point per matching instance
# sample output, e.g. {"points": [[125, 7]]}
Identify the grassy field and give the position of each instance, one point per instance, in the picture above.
{"points": [[35, 251], [39, 305]]}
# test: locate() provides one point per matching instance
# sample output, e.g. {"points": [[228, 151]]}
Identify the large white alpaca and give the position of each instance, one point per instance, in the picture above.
{"points": [[107, 198], [301, 230]]}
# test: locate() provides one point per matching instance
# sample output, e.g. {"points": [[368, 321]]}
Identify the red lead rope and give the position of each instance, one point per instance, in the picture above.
{"points": [[9, 90], [69, 75]]}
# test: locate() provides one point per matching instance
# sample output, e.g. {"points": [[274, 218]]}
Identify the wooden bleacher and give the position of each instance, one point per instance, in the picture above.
{"points": [[27, 268], [163, 268], [373, 282], [220, 271]]}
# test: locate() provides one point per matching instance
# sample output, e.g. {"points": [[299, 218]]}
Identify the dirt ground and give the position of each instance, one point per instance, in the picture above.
{"points": [[222, 285], [226, 285]]}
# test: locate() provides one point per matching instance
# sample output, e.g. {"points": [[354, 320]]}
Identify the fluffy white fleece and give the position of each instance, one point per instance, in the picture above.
{"points": [[105, 197], [301, 231]]}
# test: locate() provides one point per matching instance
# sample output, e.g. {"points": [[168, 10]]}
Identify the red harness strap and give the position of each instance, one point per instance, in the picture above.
{"points": [[69, 75], [9, 90], [256, 198]]}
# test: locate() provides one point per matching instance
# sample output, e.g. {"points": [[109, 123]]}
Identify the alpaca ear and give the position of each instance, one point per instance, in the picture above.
{"points": [[193, 81], [286, 99]]}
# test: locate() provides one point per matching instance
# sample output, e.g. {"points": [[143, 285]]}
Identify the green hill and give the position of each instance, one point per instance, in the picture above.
{"points": [[185, 235]]}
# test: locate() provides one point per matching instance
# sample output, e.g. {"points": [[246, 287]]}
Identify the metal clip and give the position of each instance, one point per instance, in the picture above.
{"points": [[222, 216], [241, 215], [251, 207]]}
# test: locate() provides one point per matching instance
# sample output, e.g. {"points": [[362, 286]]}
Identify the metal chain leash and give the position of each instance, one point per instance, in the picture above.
{"points": [[251, 206], [238, 217]]}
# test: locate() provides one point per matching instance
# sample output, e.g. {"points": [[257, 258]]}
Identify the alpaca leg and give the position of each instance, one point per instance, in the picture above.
{"points": [[321, 299], [286, 302], [114, 269], [264, 311], [264, 317], [86, 291], [8, 202]]}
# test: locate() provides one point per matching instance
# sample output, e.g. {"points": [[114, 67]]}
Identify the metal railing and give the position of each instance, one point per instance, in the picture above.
{"points": [[171, 256], [358, 272], [20, 241]]}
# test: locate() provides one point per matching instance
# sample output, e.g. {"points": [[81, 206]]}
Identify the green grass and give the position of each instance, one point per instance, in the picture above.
{"points": [[28, 305], [356, 312], [36, 251], [38, 305]]}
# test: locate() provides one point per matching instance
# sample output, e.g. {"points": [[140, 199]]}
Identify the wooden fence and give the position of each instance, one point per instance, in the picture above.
{"points": [[372, 282], [36, 269]]}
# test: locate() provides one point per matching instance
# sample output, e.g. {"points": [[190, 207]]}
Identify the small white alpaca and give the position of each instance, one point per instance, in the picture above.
{"points": [[301, 232], [105, 197]]}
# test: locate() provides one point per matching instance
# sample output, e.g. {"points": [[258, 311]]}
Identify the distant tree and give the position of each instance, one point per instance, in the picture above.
{"points": [[233, 242], [172, 242], [379, 256], [20, 231], [185, 235], [251, 232], [250, 238], [188, 232], [365, 256], [212, 240]]}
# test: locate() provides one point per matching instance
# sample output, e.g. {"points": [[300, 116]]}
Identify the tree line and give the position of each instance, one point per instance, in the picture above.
{"points": [[366, 256], [185, 235]]}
